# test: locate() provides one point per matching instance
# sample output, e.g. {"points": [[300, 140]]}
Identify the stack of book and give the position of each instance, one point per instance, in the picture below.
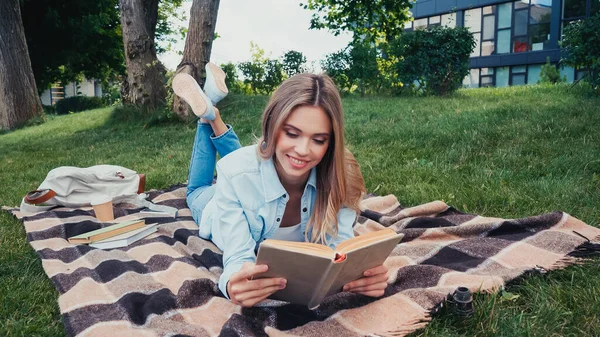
{"points": [[117, 235]]}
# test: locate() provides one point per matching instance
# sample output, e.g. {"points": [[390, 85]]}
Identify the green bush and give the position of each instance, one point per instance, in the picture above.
{"points": [[550, 74], [49, 109], [581, 42], [436, 60], [231, 79], [78, 103], [364, 70]]}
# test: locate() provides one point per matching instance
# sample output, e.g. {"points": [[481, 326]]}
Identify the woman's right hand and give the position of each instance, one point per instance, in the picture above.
{"points": [[246, 292]]}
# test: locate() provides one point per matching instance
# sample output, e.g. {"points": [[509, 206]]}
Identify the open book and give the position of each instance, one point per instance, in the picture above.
{"points": [[314, 271]]}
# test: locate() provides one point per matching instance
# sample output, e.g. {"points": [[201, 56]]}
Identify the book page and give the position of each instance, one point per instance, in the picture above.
{"points": [[360, 259], [303, 271]]}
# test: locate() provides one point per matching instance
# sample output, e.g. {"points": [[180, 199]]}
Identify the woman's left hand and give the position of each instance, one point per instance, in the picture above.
{"points": [[372, 284]]}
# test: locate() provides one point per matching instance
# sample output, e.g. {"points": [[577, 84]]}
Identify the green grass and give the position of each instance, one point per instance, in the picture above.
{"points": [[510, 152]]}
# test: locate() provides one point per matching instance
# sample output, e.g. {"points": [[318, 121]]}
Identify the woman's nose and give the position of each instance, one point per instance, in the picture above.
{"points": [[302, 148]]}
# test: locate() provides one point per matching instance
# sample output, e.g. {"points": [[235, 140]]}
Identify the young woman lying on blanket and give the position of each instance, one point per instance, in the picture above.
{"points": [[298, 184]]}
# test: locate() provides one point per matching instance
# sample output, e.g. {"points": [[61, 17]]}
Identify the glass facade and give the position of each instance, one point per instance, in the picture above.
{"points": [[511, 27]]}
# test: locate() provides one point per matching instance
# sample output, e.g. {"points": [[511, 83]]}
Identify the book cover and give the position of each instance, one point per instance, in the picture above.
{"points": [[106, 232], [315, 271], [125, 239]]}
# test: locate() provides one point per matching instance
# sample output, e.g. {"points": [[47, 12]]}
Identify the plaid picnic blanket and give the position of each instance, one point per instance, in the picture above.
{"points": [[166, 283]]}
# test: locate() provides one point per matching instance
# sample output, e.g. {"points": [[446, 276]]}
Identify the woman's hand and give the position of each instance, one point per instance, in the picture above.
{"points": [[246, 292], [372, 284]]}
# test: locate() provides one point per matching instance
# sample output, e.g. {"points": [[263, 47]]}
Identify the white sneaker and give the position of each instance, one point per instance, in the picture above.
{"points": [[186, 87], [215, 87]]}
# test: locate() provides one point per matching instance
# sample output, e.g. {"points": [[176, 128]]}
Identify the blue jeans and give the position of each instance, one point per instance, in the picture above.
{"points": [[202, 165]]}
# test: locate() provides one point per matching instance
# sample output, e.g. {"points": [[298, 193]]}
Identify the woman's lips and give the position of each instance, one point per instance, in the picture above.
{"points": [[297, 163]]}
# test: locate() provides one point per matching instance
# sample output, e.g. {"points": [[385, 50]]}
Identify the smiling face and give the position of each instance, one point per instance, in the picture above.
{"points": [[301, 143]]}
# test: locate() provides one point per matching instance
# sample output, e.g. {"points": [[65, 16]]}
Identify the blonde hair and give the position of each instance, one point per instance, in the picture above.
{"points": [[339, 180]]}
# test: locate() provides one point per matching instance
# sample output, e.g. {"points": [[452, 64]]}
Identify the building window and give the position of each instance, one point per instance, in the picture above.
{"points": [[540, 13], [449, 20], [473, 22], [578, 9], [472, 79], [421, 23], [533, 73], [504, 25], [502, 76], [520, 28], [434, 21], [531, 28], [488, 33], [487, 77], [518, 75]]}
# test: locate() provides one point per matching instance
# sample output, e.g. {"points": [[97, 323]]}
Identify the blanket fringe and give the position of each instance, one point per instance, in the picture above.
{"points": [[587, 249], [407, 327]]}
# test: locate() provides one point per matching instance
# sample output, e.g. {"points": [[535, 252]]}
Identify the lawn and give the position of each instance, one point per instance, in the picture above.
{"points": [[505, 152]]}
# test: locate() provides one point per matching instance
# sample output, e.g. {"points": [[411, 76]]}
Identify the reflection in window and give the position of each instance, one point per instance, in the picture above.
{"points": [[472, 79], [421, 23], [487, 77], [477, 47], [473, 19], [574, 8], [539, 36], [473, 22], [449, 20], [434, 20], [520, 22], [487, 48], [489, 24], [521, 4]]}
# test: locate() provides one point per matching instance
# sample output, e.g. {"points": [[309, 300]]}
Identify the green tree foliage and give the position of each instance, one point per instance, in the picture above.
{"points": [[437, 58], [274, 75], [370, 20], [231, 78], [581, 42], [363, 70], [168, 33], [550, 74], [67, 38], [294, 62], [336, 65]]}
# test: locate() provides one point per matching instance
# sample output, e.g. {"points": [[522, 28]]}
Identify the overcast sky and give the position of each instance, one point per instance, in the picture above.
{"points": [[274, 25]]}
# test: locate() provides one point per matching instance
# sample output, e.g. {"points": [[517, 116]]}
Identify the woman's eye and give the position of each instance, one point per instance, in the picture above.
{"points": [[291, 135], [320, 141]]}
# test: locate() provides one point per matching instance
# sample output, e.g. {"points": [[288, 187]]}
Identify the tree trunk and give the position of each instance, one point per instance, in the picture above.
{"points": [[198, 45], [145, 82], [19, 100]]}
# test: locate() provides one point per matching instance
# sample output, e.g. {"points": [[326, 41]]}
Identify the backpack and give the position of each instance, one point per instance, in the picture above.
{"points": [[71, 186]]}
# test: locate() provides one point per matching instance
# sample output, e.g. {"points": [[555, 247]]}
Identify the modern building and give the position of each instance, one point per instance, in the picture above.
{"points": [[513, 38]]}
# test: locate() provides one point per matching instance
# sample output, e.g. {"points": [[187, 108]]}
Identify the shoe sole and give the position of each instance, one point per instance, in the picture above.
{"points": [[219, 76], [186, 87]]}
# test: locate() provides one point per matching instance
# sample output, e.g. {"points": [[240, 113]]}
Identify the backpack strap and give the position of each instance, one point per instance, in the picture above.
{"points": [[39, 196]]}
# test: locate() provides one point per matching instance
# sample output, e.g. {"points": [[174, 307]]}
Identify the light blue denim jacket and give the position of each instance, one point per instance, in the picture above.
{"points": [[248, 206]]}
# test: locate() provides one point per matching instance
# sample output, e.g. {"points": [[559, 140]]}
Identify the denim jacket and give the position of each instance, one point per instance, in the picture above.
{"points": [[248, 206]]}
